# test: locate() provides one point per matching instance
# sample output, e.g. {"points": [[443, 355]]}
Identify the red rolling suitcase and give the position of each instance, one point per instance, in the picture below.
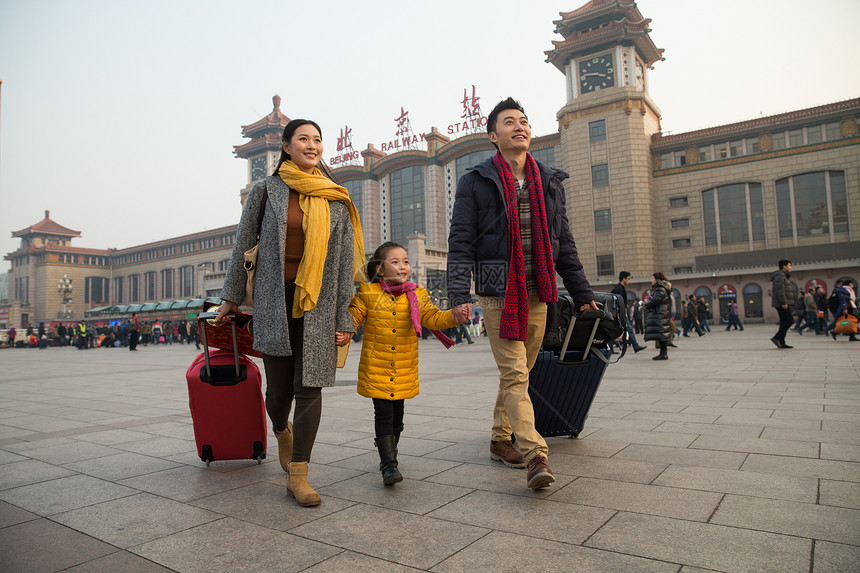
{"points": [[225, 394]]}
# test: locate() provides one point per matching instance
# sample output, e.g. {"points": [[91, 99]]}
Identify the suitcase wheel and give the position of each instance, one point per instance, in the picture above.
{"points": [[259, 453], [207, 455], [574, 435]]}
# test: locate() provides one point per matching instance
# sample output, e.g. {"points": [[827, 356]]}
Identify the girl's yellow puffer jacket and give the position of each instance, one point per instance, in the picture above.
{"points": [[389, 354]]}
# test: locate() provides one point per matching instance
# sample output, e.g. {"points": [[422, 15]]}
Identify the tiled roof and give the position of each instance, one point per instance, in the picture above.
{"points": [[47, 227], [831, 110]]}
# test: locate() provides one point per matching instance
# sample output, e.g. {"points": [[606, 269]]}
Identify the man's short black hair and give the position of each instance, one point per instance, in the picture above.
{"points": [[509, 103], [623, 275], [783, 262]]}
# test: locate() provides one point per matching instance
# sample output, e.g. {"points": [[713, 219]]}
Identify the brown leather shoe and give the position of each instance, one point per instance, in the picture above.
{"points": [[539, 475], [505, 452]]}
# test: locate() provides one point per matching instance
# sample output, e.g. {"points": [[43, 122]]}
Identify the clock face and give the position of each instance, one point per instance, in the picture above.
{"points": [[258, 167], [596, 74]]}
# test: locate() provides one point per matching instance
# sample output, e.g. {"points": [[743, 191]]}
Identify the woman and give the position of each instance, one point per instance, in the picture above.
{"points": [[310, 253], [658, 323]]}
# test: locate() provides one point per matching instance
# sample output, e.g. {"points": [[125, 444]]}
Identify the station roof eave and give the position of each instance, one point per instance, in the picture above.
{"points": [[618, 31]]}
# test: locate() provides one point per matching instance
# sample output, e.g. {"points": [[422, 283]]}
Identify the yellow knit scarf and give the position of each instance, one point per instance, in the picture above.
{"points": [[315, 192]]}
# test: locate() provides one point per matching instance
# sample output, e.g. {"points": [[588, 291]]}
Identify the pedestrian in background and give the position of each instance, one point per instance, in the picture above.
{"points": [[783, 299], [658, 321]]}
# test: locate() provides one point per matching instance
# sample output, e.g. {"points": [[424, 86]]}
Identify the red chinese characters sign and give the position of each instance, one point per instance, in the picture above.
{"points": [[473, 118], [345, 152]]}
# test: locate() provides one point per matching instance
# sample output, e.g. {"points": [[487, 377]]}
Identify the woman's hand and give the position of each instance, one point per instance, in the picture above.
{"points": [[342, 338], [227, 307], [592, 305]]}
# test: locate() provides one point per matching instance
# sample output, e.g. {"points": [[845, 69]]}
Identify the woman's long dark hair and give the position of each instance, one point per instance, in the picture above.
{"points": [[287, 136], [378, 258], [660, 276]]}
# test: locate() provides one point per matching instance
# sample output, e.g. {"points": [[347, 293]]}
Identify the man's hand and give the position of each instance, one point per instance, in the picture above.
{"points": [[785, 306], [342, 338], [592, 305], [461, 313]]}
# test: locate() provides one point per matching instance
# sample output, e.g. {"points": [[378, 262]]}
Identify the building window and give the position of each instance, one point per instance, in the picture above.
{"points": [[96, 290], [665, 161], [806, 204], [600, 175], [605, 266], [167, 283], [752, 301], [779, 140], [832, 131], [407, 203], [795, 138], [678, 202], [679, 270], [726, 217], [736, 148], [680, 223], [814, 134], [149, 285], [133, 288], [186, 281], [603, 220], [117, 289], [354, 188], [752, 145], [681, 243], [705, 153], [545, 156], [679, 158], [597, 130], [721, 150], [472, 159], [223, 264]]}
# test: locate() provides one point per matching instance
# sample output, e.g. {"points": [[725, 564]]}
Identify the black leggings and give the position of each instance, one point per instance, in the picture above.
{"points": [[388, 417], [284, 383]]}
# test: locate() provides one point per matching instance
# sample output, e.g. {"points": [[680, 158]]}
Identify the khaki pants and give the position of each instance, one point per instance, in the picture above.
{"points": [[514, 411]]}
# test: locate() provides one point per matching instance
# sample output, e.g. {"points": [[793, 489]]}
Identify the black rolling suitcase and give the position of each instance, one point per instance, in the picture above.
{"points": [[570, 366]]}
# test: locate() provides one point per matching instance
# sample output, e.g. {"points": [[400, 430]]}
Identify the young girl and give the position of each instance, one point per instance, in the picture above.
{"points": [[388, 369]]}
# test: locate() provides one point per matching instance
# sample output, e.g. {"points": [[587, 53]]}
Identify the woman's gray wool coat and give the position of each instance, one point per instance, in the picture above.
{"points": [[331, 314]]}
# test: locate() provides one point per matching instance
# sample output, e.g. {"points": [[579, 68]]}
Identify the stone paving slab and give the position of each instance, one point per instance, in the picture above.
{"points": [[694, 464]]}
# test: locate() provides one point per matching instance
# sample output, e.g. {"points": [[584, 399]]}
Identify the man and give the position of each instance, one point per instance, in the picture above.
{"points": [[621, 289], [734, 319], [703, 315], [810, 316], [821, 306], [134, 330], [693, 316], [783, 296], [513, 248]]}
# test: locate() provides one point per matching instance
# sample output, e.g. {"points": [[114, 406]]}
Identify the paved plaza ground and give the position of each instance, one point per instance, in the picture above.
{"points": [[731, 456]]}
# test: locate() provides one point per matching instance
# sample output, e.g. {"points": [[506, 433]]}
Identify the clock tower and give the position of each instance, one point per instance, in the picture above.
{"points": [[264, 149], [605, 135]]}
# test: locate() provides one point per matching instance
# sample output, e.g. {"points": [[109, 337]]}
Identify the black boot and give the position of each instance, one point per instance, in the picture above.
{"points": [[388, 460]]}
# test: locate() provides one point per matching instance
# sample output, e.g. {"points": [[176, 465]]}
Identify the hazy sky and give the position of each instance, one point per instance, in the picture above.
{"points": [[121, 117]]}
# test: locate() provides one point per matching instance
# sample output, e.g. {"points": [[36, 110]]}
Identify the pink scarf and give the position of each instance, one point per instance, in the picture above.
{"points": [[414, 308]]}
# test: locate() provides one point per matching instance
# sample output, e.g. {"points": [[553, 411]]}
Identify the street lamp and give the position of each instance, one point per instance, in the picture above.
{"points": [[64, 287]]}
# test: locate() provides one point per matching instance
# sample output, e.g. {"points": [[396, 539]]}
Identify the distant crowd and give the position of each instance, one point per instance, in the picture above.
{"points": [[88, 334]]}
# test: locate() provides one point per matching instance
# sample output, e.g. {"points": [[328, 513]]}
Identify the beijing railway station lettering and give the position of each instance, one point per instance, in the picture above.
{"points": [[472, 120], [345, 152]]}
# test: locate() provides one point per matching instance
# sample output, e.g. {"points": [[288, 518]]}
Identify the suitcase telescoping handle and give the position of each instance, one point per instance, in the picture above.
{"points": [[588, 313], [202, 328]]}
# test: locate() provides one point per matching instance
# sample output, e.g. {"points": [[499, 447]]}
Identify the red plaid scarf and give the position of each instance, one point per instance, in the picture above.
{"points": [[515, 314]]}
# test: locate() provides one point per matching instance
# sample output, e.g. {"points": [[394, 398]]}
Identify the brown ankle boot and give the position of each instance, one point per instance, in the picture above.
{"points": [[285, 446], [297, 485]]}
